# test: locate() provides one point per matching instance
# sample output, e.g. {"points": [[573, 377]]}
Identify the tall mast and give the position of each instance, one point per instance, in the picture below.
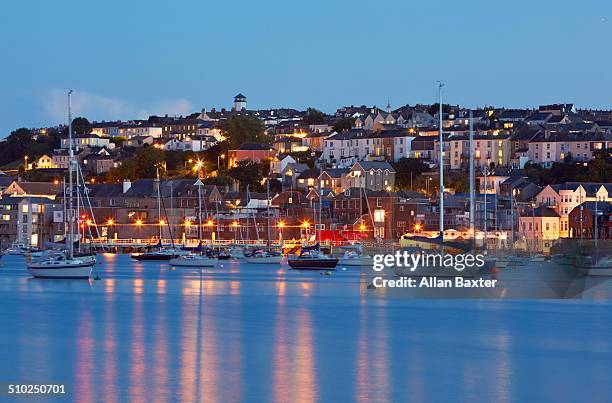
{"points": [[64, 207], [441, 163], [70, 157], [159, 216], [268, 212], [485, 206], [199, 183], [472, 190]]}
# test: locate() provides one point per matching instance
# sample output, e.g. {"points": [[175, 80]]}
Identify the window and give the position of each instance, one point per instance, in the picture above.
{"points": [[379, 215], [6, 217], [25, 208], [378, 203]]}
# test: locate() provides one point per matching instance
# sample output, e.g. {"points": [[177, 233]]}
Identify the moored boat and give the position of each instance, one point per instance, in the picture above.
{"points": [[353, 258], [311, 258], [193, 260], [60, 267], [261, 256]]}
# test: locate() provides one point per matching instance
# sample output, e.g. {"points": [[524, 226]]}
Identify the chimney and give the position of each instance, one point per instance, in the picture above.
{"points": [[126, 185], [203, 111]]}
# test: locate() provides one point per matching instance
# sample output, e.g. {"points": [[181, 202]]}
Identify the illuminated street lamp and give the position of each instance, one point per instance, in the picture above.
{"points": [[110, 222], [281, 225], [138, 222], [222, 156]]}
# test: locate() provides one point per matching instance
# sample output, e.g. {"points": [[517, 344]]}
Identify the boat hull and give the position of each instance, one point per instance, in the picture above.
{"points": [[199, 262], [67, 272], [263, 260], [312, 264], [152, 257], [362, 261]]}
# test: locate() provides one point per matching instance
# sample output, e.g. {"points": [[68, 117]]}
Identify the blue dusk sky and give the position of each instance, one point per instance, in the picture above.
{"points": [[128, 59]]}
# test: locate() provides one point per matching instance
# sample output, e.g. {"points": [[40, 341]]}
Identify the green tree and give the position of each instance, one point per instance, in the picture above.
{"points": [[243, 129], [248, 173], [314, 117], [407, 170], [343, 124], [118, 141], [81, 125], [144, 164]]}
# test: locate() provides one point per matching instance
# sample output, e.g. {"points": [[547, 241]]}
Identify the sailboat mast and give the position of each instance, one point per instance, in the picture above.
{"points": [[64, 207], [200, 229], [485, 206], [159, 216], [268, 211], [472, 190], [441, 163], [70, 157]]}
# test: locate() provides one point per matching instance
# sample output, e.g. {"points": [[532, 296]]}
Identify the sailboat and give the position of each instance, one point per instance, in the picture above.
{"points": [[161, 254], [437, 268], [354, 255], [65, 265], [268, 256], [311, 257], [196, 259]]}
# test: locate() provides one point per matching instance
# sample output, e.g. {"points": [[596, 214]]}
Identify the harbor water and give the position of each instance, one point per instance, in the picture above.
{"points": [[147, 332]]}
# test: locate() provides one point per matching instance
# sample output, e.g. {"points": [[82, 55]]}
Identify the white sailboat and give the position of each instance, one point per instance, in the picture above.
{"points": [[65, 265], [196, 259]]}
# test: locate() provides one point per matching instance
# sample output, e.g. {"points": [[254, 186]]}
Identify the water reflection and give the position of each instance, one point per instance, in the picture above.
{"points": [[164, 334]]}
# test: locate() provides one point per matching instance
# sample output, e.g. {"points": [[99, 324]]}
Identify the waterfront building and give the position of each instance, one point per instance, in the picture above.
{"points": [[582, 220]]}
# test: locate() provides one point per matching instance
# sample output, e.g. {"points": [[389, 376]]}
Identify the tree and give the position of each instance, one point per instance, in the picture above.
{"points": [[314, 117], [243, 129], [118, 141], [407, 170], [15, 145], [81, 125], [144, 164], [343, 124], [248, 173]]}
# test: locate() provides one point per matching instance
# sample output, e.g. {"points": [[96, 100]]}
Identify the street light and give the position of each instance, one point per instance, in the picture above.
{"points": [[138, 222], [110, 222], [221, 156]]}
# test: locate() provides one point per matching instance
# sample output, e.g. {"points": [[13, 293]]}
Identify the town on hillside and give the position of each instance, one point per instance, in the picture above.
{"points": [[362, 173]]}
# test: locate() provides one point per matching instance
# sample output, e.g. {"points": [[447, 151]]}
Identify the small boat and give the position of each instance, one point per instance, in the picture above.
{"points": [[60, 267], [17, 248], [260, 256], [193, 260], [159, 255], [311, 258], [354, 258]]}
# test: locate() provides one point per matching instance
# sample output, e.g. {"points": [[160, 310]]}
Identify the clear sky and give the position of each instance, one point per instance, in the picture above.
{"points": [[128, 58]]}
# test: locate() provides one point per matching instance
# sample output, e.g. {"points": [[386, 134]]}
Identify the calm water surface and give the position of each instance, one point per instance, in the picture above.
{"points": [[145, 332]]}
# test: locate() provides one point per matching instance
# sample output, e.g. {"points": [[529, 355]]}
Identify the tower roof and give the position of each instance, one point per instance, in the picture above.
{"points": [[239, 97]]}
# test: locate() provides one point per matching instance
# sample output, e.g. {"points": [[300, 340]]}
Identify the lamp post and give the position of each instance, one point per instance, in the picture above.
{"points": [[219, 157]]}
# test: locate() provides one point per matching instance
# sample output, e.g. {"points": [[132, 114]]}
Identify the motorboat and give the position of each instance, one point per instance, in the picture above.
{"points": [[311, 258], [193, 260], [60, 267], [354, 258], [260, 256]]}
